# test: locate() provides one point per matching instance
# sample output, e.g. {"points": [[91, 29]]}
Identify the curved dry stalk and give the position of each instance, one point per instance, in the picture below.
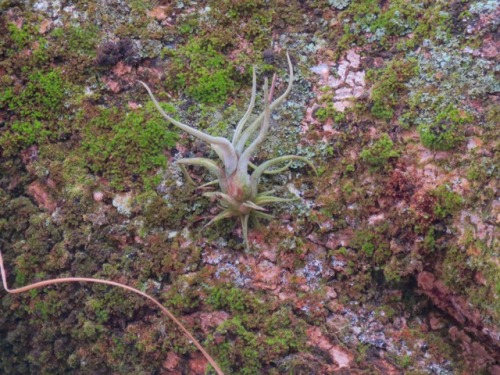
{"points": [[221, 145], [45, 283]]}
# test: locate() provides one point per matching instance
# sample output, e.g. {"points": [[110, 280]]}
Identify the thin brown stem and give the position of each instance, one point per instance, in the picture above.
{"points": [[45, 283]]}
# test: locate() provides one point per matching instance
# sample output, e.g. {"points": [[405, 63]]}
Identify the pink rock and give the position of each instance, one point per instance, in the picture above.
{"points": [[490, 48], [283, 296], [435, 323], [353, 58], [121, 69], [171, 362], [41, 196], [374, 219], [334, 82], [211, 320], [342, 105], [197, 364], [342, 69], [473, 143], [343, 93], [133, 105], [159, 13], [355, 79], [426, 280], [112, 85], [339, 355], [98, 196], [331, 293], [45, 26]]}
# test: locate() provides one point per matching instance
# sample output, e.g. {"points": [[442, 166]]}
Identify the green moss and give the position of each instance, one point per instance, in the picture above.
{"points": [[231, 299], [328, 111], [248, 20], [446, 132], [378, 155], [366, 21], [41, 98], [21, 37], [126, 149], [393, 270], [430, 240], [399, 19], [255, 343], [368, 249], [389, 86], [81, 40], [202, 72], [447, 202], [36, 109]]}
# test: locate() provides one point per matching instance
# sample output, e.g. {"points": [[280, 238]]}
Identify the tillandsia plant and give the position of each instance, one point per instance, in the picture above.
{"points": [[239, 194]]}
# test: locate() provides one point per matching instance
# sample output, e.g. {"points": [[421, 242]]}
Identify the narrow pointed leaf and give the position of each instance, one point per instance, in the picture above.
{"points": [[224, 197], [244, 227], [214, 182], [255, 178], [186, 175], [261, 200], [262, 215], [223, 215], [203, 162], [267, 192], [252, 205], [245, 155], [247, 114], [222, 146], [240, 145], [274, 171]]}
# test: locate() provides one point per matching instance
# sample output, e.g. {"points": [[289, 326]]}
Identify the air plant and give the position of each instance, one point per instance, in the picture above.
{"points": [[239, 194]]}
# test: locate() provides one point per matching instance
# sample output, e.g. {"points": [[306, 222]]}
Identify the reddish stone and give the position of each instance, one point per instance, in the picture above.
{"points": [[121, 69], [266, 275], [385, 367], [340, 356], [159, 13], [42, 197], [426, 280], [495, 370], [172, 361], [45, 26], [212, 320], [112, 85], [198, 364], [435, 323]]}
